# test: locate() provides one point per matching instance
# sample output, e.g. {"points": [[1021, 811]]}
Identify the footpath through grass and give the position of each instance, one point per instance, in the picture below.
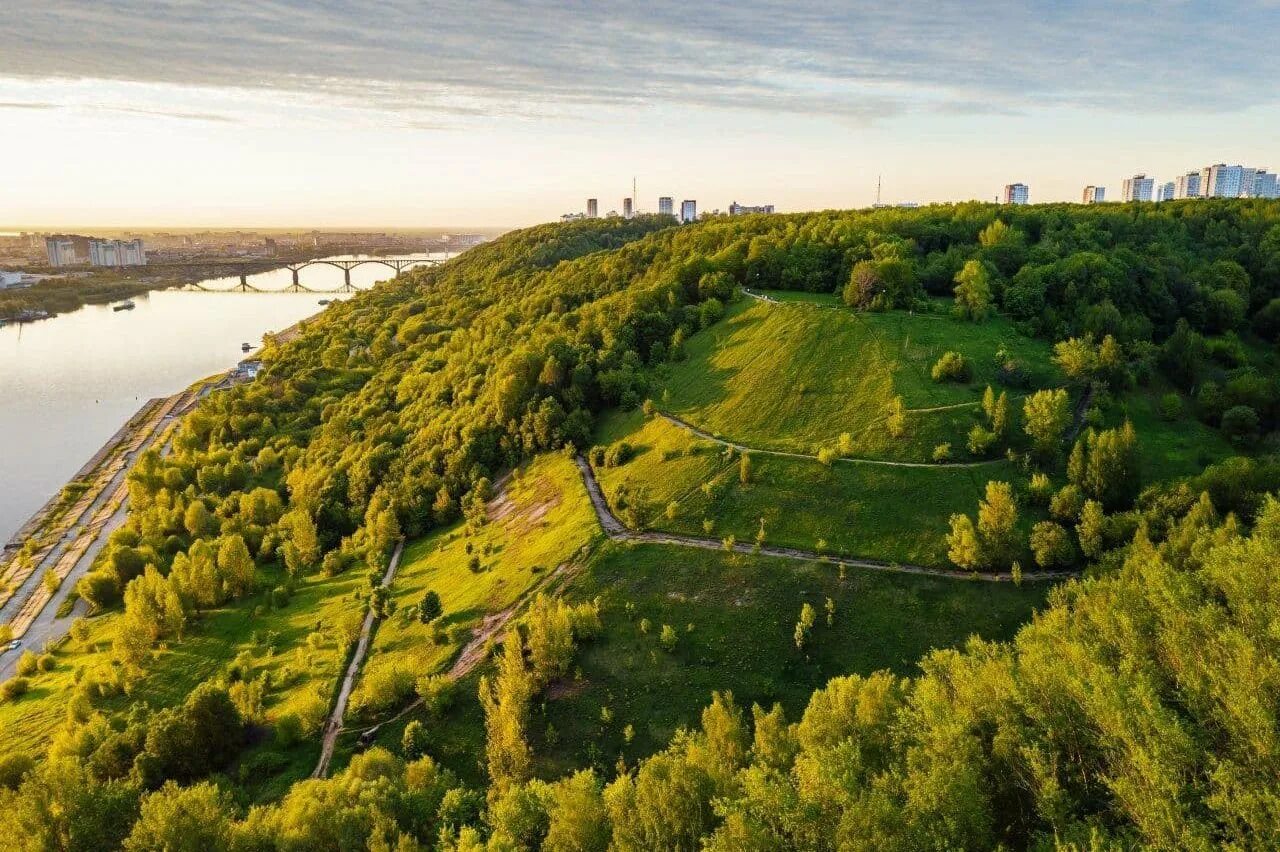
{"points": [[859, 510]]}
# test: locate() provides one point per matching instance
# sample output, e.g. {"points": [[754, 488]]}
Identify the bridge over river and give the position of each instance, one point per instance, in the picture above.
{"points": [[244, 268]]}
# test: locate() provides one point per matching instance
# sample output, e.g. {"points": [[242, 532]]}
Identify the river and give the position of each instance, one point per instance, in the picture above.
{"points": [[68, 383]]}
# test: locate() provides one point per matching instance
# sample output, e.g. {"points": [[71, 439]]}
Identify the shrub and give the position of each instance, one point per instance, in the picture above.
{"points": [[1040, 488], [46, 663], [981, 440], [1067, 503], [1240, 425], [13, 688], [827, 456], [14, 766], [619, 454], [1051, 545], [27, 664], [952, 367], [942, 453], [1170, 407], [436, 692], [668, 638]]}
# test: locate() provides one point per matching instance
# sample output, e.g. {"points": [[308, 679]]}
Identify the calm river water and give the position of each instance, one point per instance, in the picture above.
{"points": [[68, 383]]}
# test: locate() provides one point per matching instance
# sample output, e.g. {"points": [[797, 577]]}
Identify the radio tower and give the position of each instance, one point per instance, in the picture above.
{"points": [[877, 190]]}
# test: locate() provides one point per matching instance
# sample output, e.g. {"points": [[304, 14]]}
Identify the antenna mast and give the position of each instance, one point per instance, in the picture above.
{"points": [[877, 190]]}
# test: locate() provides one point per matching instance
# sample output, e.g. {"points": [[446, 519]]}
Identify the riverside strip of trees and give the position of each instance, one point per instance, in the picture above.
{"points": [[1140, 708]]}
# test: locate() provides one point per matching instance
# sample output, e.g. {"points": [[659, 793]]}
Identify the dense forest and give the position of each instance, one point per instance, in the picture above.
{"points": [[1139, 709]]}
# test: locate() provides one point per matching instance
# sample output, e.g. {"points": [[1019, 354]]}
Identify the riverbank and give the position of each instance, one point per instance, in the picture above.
{"points": [[64, 537]]}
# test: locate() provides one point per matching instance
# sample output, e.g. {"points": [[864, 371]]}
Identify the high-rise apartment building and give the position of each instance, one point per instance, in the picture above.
{"points": [[61, 251], [1166, 191], [666, 206], [1265, 185], [688, 210], [1138, 188], [116, 253], [626, 208], [1093, 195], [1223, 181], [1016, 193], [593, 208], [1187, 186], [736, 209]]}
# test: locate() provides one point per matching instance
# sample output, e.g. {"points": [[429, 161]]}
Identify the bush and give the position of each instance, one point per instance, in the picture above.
{"points": [[942, 453], [13, 688], [1240, 425], [1067, 503], [27, 664], [1170, 407], [668, 638], [14, 766], [952, 367], [46, 663], [827, 456], [619, 454], [981, 440]]}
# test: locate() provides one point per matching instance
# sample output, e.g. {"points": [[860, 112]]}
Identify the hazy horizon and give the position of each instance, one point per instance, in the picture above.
{"points": [[125, 113]]}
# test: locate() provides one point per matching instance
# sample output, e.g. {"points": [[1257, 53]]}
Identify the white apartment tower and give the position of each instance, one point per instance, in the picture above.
{"points": [[688, 210], [1187, 186], [1138, 188], [626, 208], [666, 206], [1016, 193], [1093, 195], [1223, 181], [593, 208]]}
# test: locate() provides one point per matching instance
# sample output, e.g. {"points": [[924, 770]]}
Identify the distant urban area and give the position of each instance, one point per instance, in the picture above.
{"points": [[1216, 181], [42, 274]]}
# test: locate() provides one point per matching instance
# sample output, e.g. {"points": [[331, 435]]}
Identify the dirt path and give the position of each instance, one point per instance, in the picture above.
{"points": [[707, 436], [334, 726], [618, 532]]}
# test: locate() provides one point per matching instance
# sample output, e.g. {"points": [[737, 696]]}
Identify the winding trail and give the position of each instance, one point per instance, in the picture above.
{"points": [[707, 436], [334, 726], [615, 529]]}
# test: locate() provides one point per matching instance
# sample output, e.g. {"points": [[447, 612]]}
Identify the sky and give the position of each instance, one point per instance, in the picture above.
{"points": [[404, 113]]}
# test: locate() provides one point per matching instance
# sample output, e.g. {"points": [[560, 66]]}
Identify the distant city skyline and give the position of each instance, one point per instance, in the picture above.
{"points": [[363, 115]]}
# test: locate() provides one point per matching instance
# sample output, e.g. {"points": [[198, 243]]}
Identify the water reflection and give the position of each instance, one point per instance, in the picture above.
{"points": [[67, 384]]}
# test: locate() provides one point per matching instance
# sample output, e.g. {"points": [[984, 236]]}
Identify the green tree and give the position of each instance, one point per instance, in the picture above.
{"points": [[177, 819], [429, 609], [1051, 545], [804, 625], [998, 526], [973, 291], [1046, 414]]}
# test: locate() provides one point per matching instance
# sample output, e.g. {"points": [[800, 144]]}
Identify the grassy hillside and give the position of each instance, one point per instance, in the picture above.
{"points": [[796, 375], [736, 615]]}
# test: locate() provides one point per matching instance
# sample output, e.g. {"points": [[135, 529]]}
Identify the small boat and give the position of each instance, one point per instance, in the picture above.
{"points": [[324, 301], [245, 347], [124, 306]]}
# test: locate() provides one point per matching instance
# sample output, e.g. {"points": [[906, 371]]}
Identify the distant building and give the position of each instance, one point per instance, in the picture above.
{"points": [[1223, 181], [1187, 186], [1166, 191], [688, 210], [572, 217], [1138, 188], [593, 207], [117, 253], [61, 251], [1265, 185], [627, 211], [1093, 195], [666, 206], [13, 280], [1016, 193], [736, 209]]}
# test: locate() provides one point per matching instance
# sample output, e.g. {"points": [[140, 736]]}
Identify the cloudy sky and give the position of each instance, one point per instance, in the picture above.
{"points": [[401, 113]]}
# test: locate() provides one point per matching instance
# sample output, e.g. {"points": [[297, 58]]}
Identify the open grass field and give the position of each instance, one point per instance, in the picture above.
{"points": [[796, 375], [874, 511], [742, 611]]}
